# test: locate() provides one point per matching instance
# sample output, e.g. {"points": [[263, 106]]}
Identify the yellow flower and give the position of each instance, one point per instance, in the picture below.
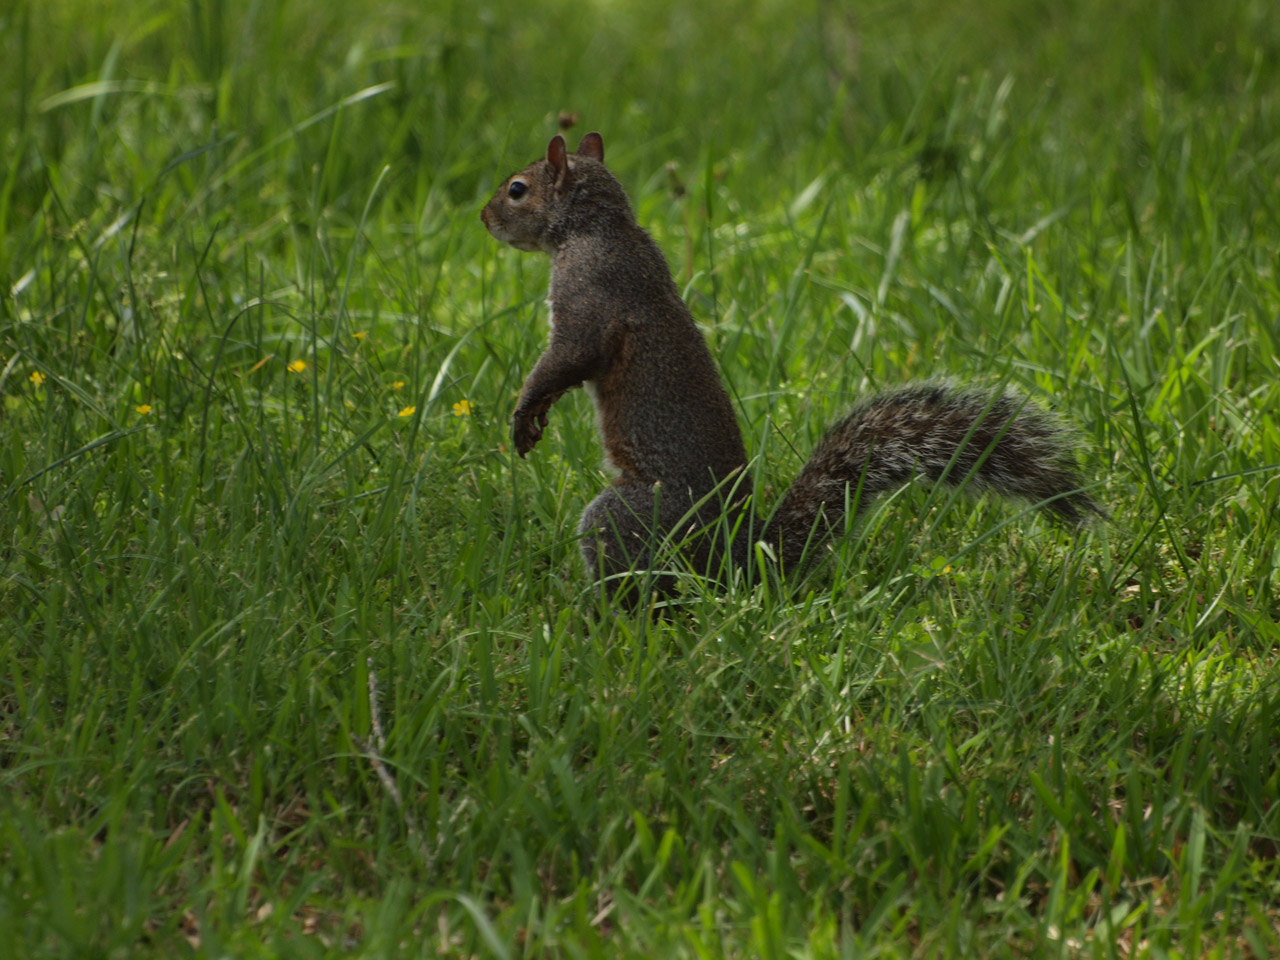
{"points": [[297, 366], [408, 412], [36, 377], [397, 385], [143, 408], [462, 408], [350, 405], [360, 334]]}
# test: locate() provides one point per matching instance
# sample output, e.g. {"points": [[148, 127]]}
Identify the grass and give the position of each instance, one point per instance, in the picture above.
{"points": [[257, 357]]}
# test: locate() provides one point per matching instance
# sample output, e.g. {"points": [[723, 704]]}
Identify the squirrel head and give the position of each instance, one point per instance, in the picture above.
{"points": [[561, 195]]}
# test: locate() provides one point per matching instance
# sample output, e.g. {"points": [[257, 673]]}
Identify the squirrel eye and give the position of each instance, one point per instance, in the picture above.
{"points": [[517, 189]]}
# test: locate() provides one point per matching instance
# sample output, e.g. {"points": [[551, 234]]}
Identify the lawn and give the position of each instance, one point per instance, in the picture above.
{"points": [[299, 659]]}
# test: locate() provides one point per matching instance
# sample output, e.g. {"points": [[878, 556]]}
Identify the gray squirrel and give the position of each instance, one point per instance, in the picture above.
{"points": [[621, 330]]}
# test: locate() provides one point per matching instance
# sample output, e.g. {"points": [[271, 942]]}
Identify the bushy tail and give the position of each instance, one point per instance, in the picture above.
{"points": [[1002, 443]]}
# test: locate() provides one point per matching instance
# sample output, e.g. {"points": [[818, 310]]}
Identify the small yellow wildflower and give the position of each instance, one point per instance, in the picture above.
{"points": [[462, 408], [408, 412], [297, 366], [143, 408], [36, 377], [350, 405], [360, 334], [397, 385]]}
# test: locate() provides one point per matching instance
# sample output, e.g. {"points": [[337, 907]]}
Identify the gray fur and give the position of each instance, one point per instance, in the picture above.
{"points": [[665, 419], [1003, 443]]}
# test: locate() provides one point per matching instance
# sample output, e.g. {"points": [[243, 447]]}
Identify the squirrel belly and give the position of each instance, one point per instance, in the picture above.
{"points": [[620, 330], [589, 388]]}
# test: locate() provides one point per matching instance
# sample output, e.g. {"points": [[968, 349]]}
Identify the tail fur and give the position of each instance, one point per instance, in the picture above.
{"points": [[945, 434]]}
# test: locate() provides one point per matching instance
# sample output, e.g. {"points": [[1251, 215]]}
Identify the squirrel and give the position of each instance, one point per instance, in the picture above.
{"points": [[620, 329]]}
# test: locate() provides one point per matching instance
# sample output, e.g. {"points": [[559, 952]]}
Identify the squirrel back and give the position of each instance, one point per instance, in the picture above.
{"points": [[621, 329]]}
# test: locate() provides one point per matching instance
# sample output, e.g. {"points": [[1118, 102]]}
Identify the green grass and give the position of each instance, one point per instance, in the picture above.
{"points": [[968, 734]]}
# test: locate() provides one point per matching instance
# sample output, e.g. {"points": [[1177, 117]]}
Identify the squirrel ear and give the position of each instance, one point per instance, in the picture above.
{"points": [[558, 158], [592, 145]]}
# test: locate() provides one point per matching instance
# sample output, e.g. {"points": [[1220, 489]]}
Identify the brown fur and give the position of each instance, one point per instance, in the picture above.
{"points": [[668, 428]]}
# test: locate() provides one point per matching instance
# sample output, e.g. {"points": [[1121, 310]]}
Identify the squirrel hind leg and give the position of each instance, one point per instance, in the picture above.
{"points": [[618, 538], [632, 536], [621, 531]]}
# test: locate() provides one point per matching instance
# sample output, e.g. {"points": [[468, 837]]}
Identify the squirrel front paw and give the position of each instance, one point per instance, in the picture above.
{"points": [[526, 426]]}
